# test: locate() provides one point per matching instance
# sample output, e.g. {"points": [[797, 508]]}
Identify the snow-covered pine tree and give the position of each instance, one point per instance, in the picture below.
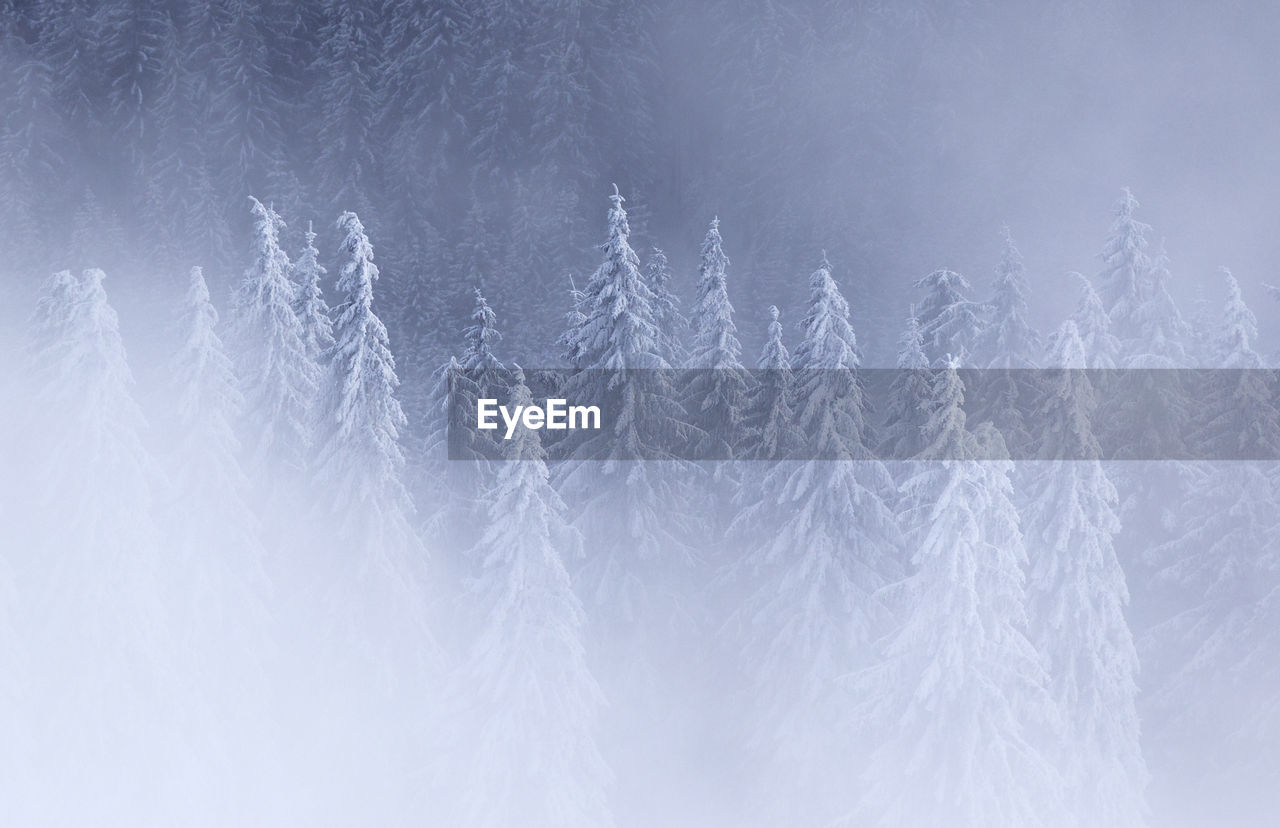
{"points": [[1077, 601], [949, 321], [310, 306], [1125, 281], [1101, 347], [1217, 575], [623, 487], [666, 308], [358, 453], [810, 611], [1161, 334], [1007, 347], [616, 347], [767, 421], [220, 589], [1008, 340], [371, 572], [479, 340], [278, 378], [526, 698], [718, 383], [958, 705], [909, 392], [119, 752]]}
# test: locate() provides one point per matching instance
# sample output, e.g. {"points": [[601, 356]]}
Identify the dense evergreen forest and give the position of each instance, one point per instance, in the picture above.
{"points": [[259, 254]]}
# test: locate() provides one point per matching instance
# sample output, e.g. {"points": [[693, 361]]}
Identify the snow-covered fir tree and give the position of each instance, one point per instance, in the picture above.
{"points": [[717, 387], [1216, 572], [527, 699], [358, 452], [666, 309], [949, 321], [1077, 602], [277, 375], [957, 707], [479, 340], [1101, 347], [1161, 335], [909, 392], [768, 430], [120, 749], [310, 306], [1125, 281], [371, 575], [1009, 340], [810, 612], [218, 577], [1007, 347], [616, 346]]}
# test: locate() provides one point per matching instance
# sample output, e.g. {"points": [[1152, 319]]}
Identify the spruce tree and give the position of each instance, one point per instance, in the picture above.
{"points": [[905, 413], [1078, 598], [958, 705], [120, 749], [811, 611], [529, 698], [1215, 572], [1125, 281], [221, 588], [1101, 347], [310, 306], [769, 432], [666, 308], [715, 392], [370, 569], [1009, 341], [278, 378], [616, 347], [478, 359], [949, 321]]}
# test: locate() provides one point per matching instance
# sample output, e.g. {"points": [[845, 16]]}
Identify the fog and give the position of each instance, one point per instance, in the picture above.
{"points": [[258, 568]]}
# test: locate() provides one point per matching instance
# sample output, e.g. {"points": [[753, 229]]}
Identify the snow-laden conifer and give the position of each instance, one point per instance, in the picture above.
{"points": [[810, 612], [101, 626], [957, 707], [769, 431], [667, 317], [949, 321], [1077, 602], [717, 386], [219, 583], [480, 338], [527, 698], [310, 306], [1101, 347], [278, 378], [1125, 281], [906, 410], [622, 508]]}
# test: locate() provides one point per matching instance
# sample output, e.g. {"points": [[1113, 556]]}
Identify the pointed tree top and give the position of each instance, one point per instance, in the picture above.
{"points": [[773, 312], [825, 264], [715, 223], [198, 290], [616, 198]]}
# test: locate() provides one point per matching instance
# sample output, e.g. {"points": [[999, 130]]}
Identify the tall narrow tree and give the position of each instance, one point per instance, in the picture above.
{"points": [[279, 379], [1077, 603], [530, 700], [958, 704]]}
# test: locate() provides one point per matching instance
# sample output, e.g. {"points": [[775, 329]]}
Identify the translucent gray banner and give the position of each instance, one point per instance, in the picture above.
{"points": [[884, 414]]}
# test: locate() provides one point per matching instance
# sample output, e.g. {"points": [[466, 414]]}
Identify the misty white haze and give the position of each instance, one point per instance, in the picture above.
{"points": [[848, 547]]}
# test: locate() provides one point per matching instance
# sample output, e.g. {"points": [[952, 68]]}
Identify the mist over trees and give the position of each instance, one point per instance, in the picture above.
{"points": [[261, 256]]}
